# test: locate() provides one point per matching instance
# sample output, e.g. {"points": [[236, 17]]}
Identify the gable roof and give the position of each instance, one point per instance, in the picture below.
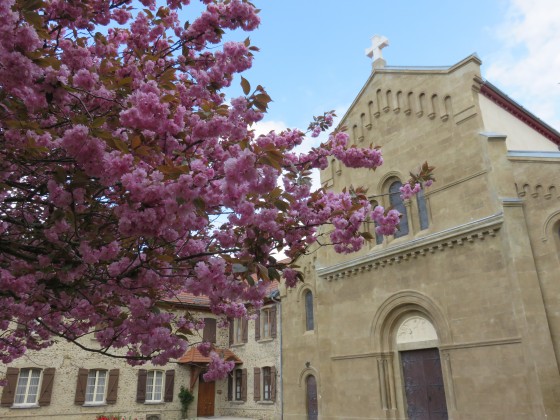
{"points": [[203, 302], [491, 92], [193, 356], [487, 89], [408, 70]]}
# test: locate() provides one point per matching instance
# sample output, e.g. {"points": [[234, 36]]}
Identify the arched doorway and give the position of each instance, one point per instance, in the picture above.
{"points": [[311, 398], [417, 342]]}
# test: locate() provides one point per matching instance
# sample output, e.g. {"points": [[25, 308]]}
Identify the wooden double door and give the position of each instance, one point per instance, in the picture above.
{"points": [[423, 384]]}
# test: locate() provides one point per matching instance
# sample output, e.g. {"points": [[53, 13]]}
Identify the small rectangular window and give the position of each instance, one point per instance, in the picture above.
{"points": [[238, 384], [154, 386], [96, 387], [266, 323], [27, 389], [239, 326], [266, 384]]}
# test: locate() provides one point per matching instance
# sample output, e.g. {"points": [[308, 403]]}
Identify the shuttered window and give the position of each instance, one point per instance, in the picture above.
{"points": [[230, 387], [243, 384], [239, 330], [209, 332], [257, 384], [169, 385], [258, 326], [154, 386], [30, 387], [266, 322], [27, 390], [96, 387], [266, 383], [238, 384]]}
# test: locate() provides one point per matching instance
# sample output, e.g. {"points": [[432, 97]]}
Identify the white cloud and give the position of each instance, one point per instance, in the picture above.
{"points": [[527, 63], [264, 127]]}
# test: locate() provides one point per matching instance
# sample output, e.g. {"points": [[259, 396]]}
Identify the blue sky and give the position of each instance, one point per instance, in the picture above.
{"points": [[312, 56]]}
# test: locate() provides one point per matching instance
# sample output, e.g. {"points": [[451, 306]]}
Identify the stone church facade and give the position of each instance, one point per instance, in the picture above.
{"points": [[458, 315]]}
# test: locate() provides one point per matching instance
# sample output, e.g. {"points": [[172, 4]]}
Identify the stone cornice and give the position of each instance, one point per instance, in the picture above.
{"points": [[533, 156], [439, 241], [483, 343], [442, 347]]}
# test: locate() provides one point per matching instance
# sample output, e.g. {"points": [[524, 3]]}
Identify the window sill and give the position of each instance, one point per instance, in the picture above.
{"points": [[265, 402], [153, 402], [23, 406], [237, 345], [309, 332], [237, 402], [265, 340], [92, 404]]}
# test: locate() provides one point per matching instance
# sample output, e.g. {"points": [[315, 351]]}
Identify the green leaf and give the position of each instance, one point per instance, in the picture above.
{"points": [[249, 277], [31, 4], [245, 85], [273, 274], [120, 145], [165, 258], [136, 142], [281, 205], [366, 235], [263, 272]]}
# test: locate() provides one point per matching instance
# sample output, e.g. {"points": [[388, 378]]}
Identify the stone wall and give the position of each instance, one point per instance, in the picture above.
{"points": [[67, 359], [262, 353]]}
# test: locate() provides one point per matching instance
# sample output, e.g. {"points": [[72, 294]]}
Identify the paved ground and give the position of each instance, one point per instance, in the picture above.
{"points": [[224, 418]]}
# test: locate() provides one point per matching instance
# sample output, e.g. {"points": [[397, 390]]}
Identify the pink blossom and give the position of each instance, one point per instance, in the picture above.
{"points": [[217, 368], [408, 192], [205, 348], [133, 178]]}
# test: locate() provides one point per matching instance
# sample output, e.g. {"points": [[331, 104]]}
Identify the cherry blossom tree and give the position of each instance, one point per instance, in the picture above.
{"points": [[127, 176]]}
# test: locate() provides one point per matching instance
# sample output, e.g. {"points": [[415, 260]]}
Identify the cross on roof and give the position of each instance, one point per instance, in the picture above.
{"points": [[378, 42]]}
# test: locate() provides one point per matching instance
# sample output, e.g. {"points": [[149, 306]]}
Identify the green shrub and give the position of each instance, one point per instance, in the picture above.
{"points": [[186, 397]]}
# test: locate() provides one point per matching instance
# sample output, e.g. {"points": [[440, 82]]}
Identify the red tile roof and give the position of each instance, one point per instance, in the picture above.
{"points": [[203, 301], [190, 299], [194, 356]]}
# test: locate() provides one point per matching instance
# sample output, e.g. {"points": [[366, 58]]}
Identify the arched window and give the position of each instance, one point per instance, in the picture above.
{"points": [[422, 210], [309, 322], [311, 398], [398, 204]]}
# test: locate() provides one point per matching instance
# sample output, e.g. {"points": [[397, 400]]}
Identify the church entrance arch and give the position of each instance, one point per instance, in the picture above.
{"points": [[407, 331]]}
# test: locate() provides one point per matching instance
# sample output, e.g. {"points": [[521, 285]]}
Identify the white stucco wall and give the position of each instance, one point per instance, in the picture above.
{"points": [[519, 135]]}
